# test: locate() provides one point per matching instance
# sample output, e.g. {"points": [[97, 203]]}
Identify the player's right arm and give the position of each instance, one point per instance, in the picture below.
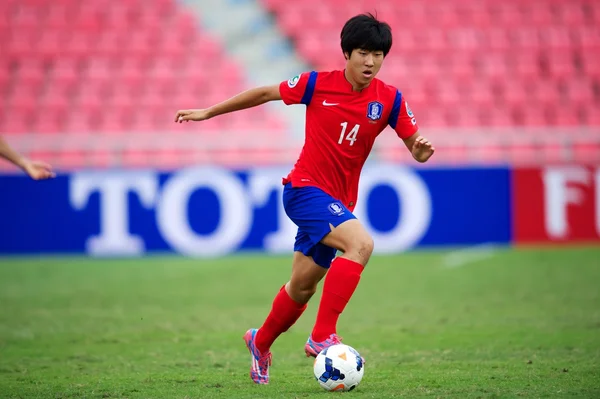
{"points": [[297, 90], [247, 99]]}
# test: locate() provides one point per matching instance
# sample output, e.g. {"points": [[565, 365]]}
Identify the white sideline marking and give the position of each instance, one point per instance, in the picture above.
{"points": [[468, 255]]}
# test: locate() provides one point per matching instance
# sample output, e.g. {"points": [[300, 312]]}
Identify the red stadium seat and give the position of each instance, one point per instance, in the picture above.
{"points": [[544, 92], [556, 37], [116, 120], [531, 116], [508, 14], [520, 152], [496, 39], [570, 14], [17, 120], [536, 15], [590, 64], [5, 77], [590, 115], [497, 116], [101, 159], [82, 121], [59, 17], [49, 122], [73, 159], [559, 65], [586, 152], [30, 72], [580, 92], [493, 67], [525, 65], [22, 100], [491, 154], [563, 115], [482, 94], [53, 103]]}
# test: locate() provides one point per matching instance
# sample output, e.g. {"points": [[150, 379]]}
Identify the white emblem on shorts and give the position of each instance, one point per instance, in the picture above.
{"points": [[336, 208]]}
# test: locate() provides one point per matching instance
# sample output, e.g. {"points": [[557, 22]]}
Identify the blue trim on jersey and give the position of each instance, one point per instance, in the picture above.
{"points": [[310, 88], [393, 119]]}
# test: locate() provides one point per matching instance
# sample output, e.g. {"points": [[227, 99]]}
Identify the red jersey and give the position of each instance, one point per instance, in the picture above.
{"points": [[341, 127]]}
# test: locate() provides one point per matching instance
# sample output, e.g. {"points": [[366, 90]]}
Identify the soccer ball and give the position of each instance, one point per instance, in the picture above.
{"points": [[339, 368]]}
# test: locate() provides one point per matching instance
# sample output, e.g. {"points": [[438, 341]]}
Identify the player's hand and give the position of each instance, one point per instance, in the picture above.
{"points": [[422, 149], [38, 170], [191, 115]]}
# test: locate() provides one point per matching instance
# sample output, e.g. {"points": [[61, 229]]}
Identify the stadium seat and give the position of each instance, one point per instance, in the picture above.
{"points": [[586, 152], [520, 152]]}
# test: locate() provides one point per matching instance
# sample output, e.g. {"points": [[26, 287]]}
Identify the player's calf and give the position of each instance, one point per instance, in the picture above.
{"points": [[301, 291], [306, 275], [342, 279]]}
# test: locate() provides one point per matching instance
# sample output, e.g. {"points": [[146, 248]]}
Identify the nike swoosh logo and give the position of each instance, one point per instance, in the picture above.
{"points": [[325, 103]]}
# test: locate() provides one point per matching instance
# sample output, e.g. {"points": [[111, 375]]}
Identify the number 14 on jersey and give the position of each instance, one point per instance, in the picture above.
{"points": [[351, 137]]}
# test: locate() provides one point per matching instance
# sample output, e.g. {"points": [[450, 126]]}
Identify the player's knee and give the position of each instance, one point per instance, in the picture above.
{"points": [[365, 247], [361, 249]]}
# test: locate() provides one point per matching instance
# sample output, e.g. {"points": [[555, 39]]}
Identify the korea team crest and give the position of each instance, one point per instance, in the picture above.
{"points": [[374, 110]]}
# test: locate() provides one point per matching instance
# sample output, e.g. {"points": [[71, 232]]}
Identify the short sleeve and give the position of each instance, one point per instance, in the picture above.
{"points": [[299, 89], [402, 119]]}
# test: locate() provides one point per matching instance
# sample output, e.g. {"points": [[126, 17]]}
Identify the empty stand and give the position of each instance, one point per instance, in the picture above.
{"points": [[106, 66], [78, 69]]}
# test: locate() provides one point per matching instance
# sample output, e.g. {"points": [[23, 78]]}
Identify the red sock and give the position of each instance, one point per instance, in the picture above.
{"points": [[283, 315], [341, 281]]}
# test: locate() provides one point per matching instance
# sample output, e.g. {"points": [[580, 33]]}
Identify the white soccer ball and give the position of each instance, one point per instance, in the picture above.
{"points": [[339, 368]]}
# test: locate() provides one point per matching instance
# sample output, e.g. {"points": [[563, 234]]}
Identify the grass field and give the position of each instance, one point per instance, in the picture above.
{"points": [[517, 323]]}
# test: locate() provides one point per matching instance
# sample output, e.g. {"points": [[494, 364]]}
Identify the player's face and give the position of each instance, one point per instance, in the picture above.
{"points": [[362, 66]]}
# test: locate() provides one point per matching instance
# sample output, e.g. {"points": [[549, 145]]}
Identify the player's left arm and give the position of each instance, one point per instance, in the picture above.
{"points": [[420, 148], [403, 121], [35, 169]]}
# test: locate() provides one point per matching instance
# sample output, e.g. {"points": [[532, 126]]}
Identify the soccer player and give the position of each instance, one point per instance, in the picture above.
{"points": [[35, 169], [345, 112]]}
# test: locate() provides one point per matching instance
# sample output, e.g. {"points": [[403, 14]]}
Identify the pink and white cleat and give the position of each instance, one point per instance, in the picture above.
{"points": [[313, 348], [259, 371]]}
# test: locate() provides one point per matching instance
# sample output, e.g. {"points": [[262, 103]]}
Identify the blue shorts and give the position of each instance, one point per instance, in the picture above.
{"points": [[313, 210]]}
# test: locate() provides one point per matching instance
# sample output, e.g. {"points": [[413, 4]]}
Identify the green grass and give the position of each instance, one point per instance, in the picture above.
{"points": [[520, 323]]}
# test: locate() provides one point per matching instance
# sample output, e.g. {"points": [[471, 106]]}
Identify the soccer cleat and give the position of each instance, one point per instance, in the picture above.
{"points": [[313, 348], [259, 371]]}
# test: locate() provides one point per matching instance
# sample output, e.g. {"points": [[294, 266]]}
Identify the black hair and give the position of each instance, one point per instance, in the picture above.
{"points": [[366, 32]]}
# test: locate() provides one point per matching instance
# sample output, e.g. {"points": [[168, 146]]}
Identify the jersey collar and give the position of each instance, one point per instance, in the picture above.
{"points": [[348, 85]]}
